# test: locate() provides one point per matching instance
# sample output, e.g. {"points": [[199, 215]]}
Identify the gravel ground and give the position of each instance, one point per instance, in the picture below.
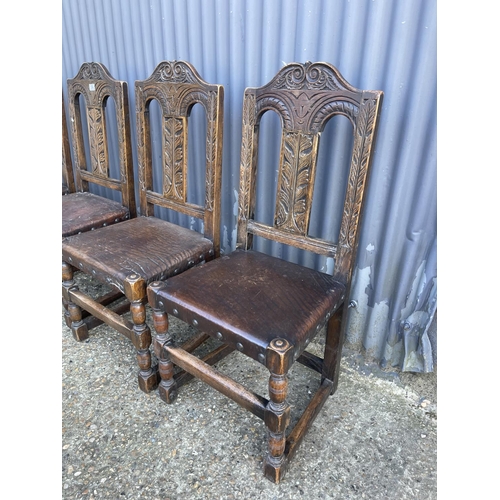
{"points": [[375, 438]]}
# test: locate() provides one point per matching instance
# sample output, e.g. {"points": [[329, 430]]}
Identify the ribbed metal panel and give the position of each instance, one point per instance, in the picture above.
{"points": [[387, 45]]}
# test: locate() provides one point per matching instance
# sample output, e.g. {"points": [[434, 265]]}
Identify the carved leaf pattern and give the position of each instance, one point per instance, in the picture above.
{"points": [[174, 158], [292, 208], [246, 155], [97, 142], [211, 150], [285, 197], [75, 145], [140, 139], [150, 92], [121, 139], [357, 174], [345, 108], [302, 186], [278, 104]]}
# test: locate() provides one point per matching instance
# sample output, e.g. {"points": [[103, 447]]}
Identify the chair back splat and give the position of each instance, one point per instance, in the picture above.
{"points": [[130, 255], [84, 210], [265, 307], [177, 87]]}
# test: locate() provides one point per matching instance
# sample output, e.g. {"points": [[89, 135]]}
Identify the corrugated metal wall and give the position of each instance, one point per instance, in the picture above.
{"points": [[387, 45]]}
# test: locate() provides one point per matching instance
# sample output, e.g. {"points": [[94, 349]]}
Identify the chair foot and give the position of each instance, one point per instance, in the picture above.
{"points": [[80, 332], [168, 386], [167, 393], [275, 470], [148, 382]]}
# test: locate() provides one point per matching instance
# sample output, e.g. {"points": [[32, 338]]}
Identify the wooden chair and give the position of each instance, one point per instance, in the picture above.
{"points": [[133, 253], [83, 210], [68, 181], [264, 307]]}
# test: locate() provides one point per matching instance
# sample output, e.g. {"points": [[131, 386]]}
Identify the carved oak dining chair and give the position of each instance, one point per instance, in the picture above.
{"points": [[265, 307], [68, 180], [83, 210], [133, 253]]}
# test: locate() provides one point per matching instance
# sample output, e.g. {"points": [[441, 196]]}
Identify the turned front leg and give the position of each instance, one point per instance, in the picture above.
{"points": [[72, 312], [168, 387], [277, 416], [135, 291]]}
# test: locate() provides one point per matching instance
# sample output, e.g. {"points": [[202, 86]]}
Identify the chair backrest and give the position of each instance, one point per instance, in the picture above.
{"points": [[177, 87], [95, 84], [306, 96], [68, 180]]}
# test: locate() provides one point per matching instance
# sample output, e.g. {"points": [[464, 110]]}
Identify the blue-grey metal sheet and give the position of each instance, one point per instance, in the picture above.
{"points": [[387, 45]]}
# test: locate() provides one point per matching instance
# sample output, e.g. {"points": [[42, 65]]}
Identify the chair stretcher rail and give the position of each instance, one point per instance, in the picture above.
{"points": [[233, 390], [99, 311]]}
